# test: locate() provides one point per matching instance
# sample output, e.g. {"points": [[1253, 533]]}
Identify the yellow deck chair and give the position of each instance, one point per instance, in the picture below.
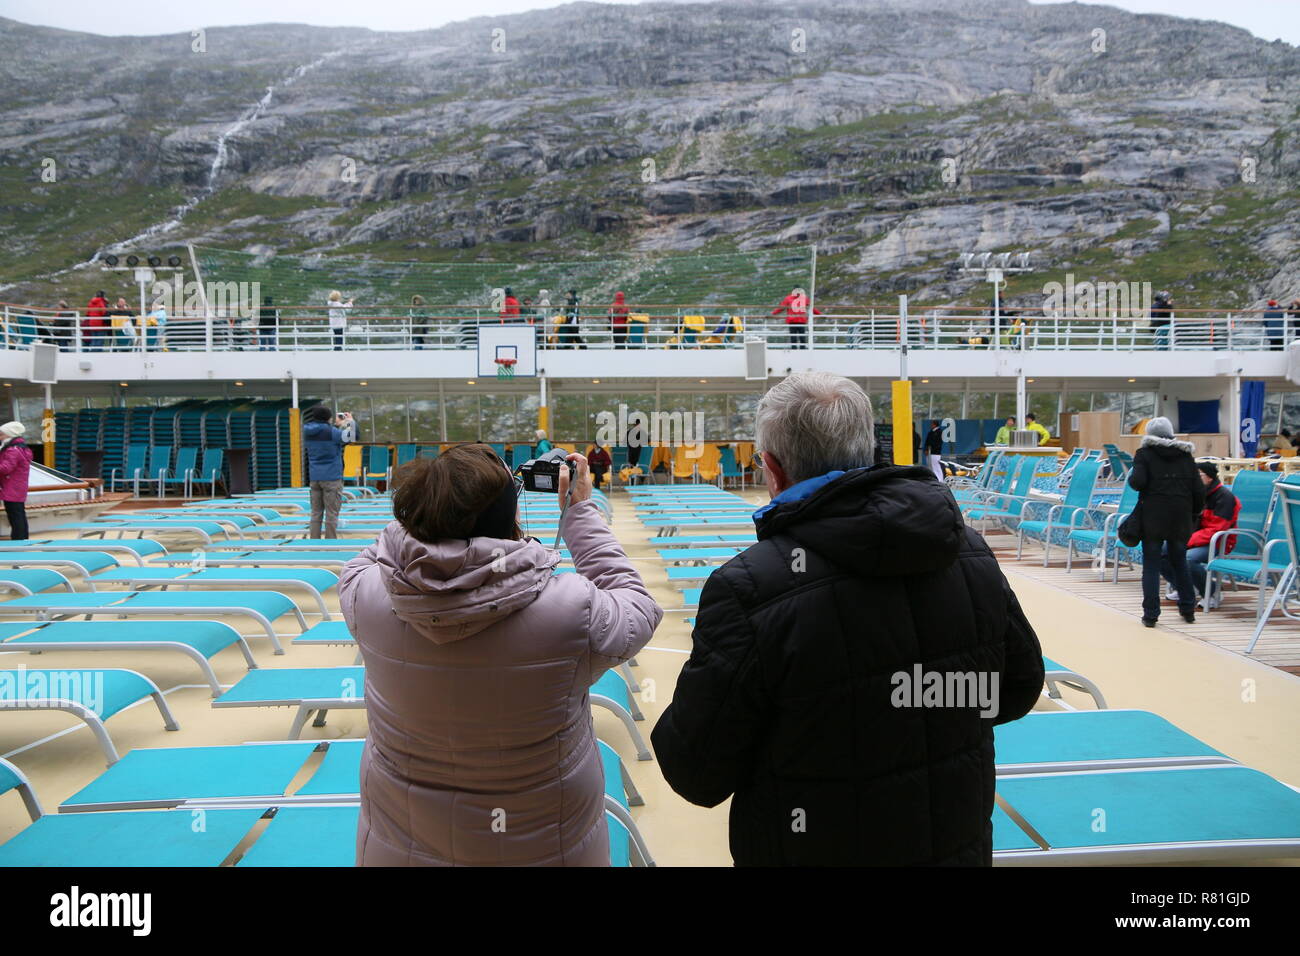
{"points": [[734, 327], [684, 463], [709, 464], [557, 320], [638, 328], [694, 328], [661, 455], [744, 453], [351, 461]]}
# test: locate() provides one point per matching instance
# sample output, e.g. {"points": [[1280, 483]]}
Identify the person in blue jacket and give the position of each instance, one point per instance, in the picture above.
{"points": [[323, 438]]}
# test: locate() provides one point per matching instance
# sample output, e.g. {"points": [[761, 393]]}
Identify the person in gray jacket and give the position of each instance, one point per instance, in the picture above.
{"points": [[481, 749]]}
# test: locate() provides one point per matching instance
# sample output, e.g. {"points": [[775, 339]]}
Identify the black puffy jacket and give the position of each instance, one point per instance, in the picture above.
{"points": [[1169, 488], [786, 699]]}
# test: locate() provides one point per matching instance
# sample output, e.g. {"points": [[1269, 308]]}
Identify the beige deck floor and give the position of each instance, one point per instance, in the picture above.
{"points": [[1244, 707]]}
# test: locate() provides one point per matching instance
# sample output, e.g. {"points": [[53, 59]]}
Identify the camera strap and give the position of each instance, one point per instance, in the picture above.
{"points": [[564, 506]]}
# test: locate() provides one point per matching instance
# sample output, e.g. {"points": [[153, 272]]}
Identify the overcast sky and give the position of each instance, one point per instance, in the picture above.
{"points": [[1270, 19]]}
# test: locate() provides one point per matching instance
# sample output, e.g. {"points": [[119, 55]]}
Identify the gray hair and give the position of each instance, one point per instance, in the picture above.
{"points": [[815, 422]]}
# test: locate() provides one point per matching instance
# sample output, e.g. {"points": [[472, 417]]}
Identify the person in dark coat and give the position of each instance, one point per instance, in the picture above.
{"points": [[1162, 314], [934, 448], [1274, 325], [268, 317], [799, 698], [1171, 498]]}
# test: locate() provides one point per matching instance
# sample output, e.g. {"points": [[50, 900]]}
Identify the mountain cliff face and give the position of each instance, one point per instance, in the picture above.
{"points": [[894, 135]]}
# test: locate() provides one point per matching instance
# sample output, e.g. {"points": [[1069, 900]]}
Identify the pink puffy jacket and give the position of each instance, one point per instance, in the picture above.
{"points": [[14, 460], [481, 749]]}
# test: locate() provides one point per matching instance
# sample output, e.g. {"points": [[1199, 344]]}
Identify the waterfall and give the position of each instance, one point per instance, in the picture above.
{"points": [[220, 157]]}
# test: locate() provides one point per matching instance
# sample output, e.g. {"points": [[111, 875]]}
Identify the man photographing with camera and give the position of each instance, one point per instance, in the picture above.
{"points": [[323, 438]]}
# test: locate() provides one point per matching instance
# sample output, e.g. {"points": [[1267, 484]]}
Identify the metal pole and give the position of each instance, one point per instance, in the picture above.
{"points": [[812, 295], [902, 326], [997, 317], [47, 427], [203, 294], [295, 436], [1021, 399], [543, 410], [442, 411], [901, 396], [1234, 403]]}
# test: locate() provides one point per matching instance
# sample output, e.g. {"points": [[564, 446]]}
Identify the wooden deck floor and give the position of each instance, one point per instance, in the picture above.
{"points": [[1229, 627]]}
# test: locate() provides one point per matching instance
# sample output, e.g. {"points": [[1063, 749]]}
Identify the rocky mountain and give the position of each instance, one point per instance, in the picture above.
{"points": [[894, 134]]}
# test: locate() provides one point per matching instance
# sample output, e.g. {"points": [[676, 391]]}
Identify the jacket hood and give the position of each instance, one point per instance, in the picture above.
{"points": [[1166, 447], [618, 297], [455, 588], [885, 521]]}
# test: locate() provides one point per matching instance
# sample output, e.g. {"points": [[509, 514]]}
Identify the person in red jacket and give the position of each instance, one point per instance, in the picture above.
{"points": [[95, 325], [1220, 514], [599, 461], [15, 457], [510, 308], [795, 306], [618, 322]]}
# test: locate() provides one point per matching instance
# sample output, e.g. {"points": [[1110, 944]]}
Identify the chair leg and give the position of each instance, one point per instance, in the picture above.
{"points": [[642, 751], [634, 798], [1283, 586]]}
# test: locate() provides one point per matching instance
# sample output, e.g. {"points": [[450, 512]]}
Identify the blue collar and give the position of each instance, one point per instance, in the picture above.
{"points": [[800, 491]]}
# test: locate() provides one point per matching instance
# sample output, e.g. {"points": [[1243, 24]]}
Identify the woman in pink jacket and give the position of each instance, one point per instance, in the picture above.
{"points": [[15, 456], [481, 749]]}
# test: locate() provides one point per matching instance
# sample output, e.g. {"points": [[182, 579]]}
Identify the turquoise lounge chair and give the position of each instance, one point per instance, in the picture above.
{"points": [[262, 606], [1216, 814], [198, 640], [92, 695]]}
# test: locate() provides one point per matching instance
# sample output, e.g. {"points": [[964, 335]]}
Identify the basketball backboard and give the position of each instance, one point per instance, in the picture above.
{"points": [[507, 351]]}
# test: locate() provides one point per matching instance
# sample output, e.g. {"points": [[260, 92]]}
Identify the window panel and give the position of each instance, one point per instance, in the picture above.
{"points": [[389, 421], [462, 417], [497, 417], [426, 423]]}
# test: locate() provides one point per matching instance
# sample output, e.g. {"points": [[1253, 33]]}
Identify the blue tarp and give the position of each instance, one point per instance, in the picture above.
{"points": [[1252, 416], [1198, 418]]}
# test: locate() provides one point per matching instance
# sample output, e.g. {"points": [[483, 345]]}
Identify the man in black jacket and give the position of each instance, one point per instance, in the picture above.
{"points": [[802, 696]]}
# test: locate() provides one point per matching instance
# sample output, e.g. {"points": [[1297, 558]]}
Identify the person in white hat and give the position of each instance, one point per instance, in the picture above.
{"points": [[15, 457]]}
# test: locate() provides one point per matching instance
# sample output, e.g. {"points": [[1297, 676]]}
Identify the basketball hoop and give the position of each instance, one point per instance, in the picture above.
{"points": [[505, 367]]}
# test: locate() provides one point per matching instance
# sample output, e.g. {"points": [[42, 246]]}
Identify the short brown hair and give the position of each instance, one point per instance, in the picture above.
{"points": [[439, 498]]}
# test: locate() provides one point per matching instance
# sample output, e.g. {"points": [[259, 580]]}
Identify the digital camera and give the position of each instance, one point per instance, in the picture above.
{"points": [[543, 472]]}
